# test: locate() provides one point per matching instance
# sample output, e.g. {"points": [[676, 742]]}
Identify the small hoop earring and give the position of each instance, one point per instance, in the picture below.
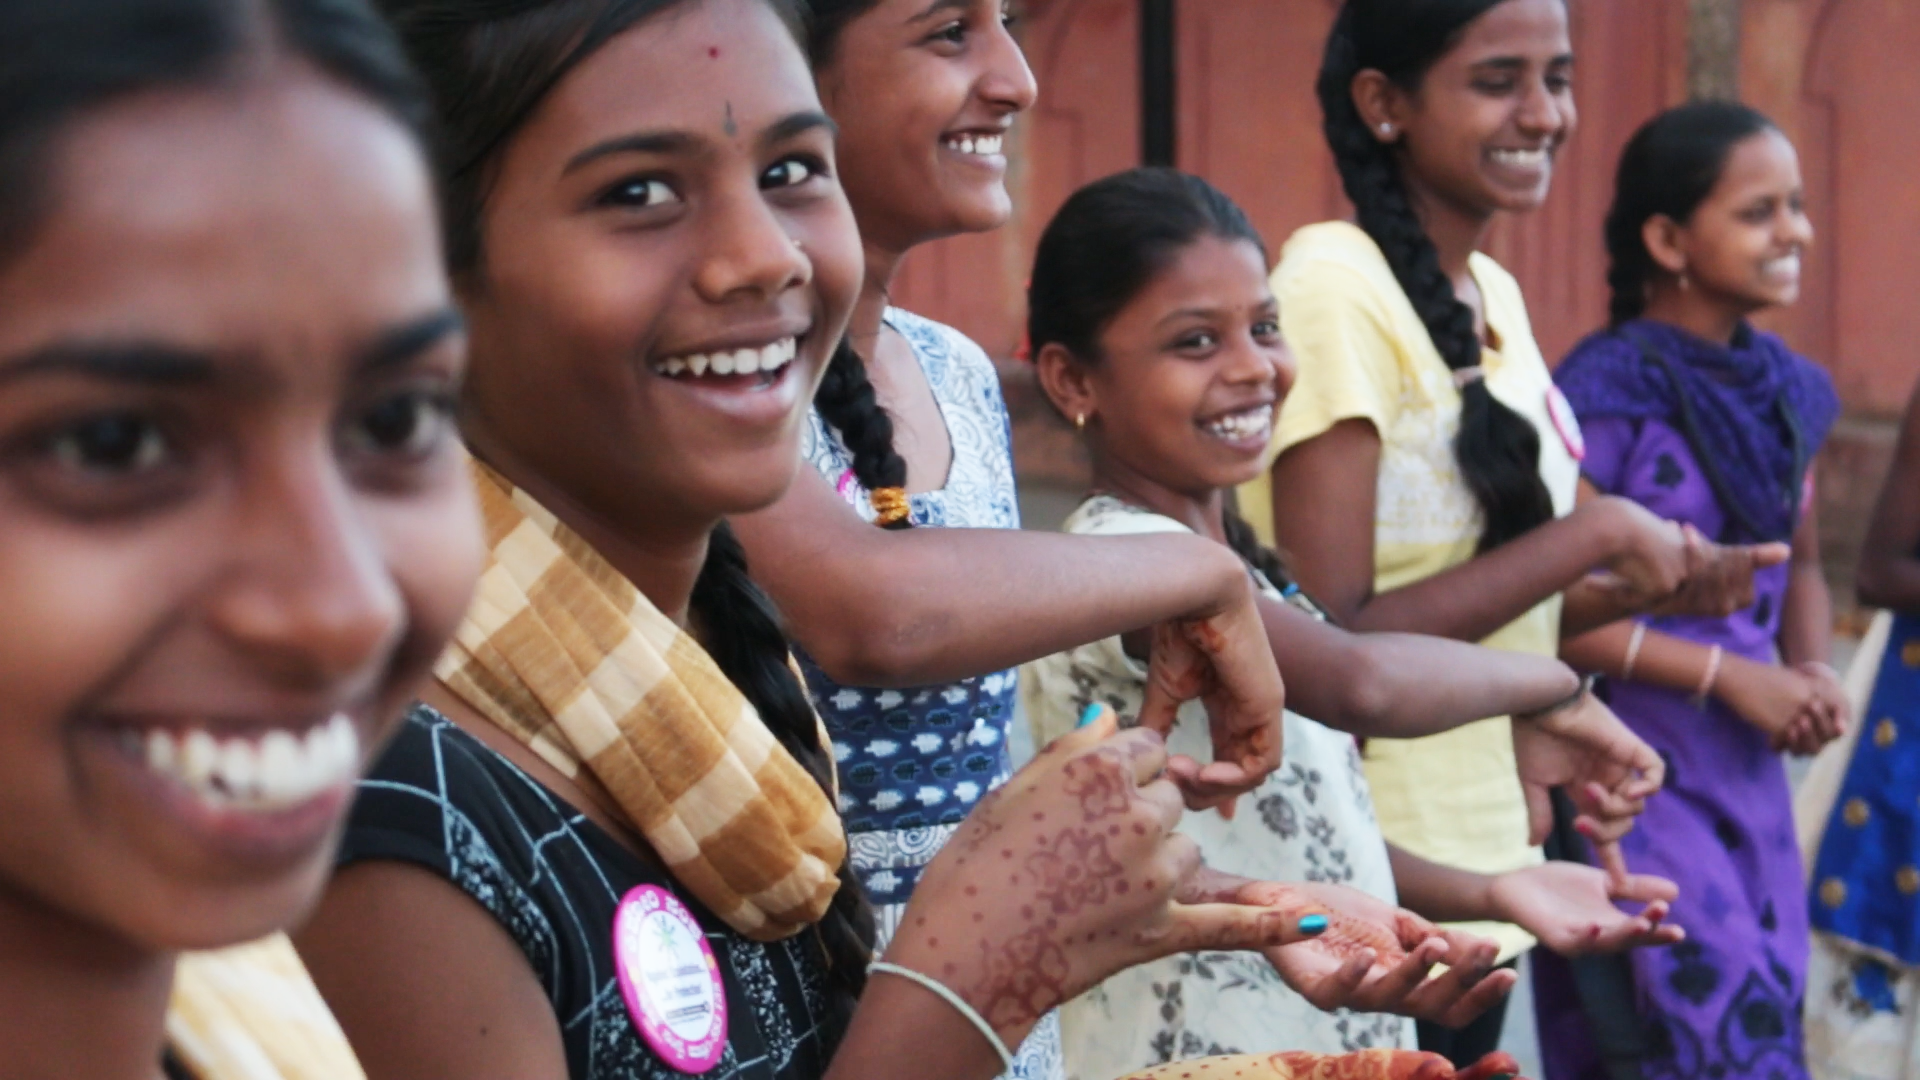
{"points": [[1079, 421]]}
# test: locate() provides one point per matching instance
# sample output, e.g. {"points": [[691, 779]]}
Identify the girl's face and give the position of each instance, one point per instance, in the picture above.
{"points": [[1191, 372], [1482, 131], [925, 93], [668, 260], [235, 526], [1743, 244]]}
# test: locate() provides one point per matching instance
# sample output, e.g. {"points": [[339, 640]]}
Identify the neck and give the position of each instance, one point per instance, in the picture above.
{"points": [[871, 308], [1202, 511], [1693, 311], [1456, 231], [75, 1001], [660, 556]]}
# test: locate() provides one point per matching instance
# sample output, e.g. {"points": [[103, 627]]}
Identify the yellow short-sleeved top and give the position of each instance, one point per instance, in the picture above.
{"points": [[1363, 353]]}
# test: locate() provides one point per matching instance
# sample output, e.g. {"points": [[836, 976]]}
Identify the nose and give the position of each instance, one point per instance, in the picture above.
{"points": [[747, 251], [1007, 84], [308, 592], [1544, 113], [1247, 362], [1799, 227]]}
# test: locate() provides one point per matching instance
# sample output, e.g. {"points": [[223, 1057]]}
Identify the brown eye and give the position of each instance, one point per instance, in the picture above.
{"points": [[405, 425], [115, 445]]}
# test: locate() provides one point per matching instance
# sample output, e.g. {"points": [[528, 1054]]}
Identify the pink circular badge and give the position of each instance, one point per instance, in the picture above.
{"points": [[670, 979], [1560, 411]]}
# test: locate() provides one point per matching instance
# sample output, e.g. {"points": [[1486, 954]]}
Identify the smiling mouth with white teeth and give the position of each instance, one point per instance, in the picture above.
{"points": [[1248, 425], [977, 145], [1536, 158], [253, 773], [767, 362]]}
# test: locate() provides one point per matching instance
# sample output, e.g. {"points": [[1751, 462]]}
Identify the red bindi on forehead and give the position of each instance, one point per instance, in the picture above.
{"points": [[713, 52]]}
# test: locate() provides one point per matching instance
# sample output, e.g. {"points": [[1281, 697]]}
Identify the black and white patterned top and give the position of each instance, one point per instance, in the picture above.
{"points": [[441, 799]]}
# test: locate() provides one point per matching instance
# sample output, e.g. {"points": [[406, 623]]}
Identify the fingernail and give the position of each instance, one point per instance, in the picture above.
{"points": [[1313, 924], [1091, 714]]}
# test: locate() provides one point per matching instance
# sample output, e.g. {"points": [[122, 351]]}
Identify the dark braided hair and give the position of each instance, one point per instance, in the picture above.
{"points": [[60, 60], [490, 62], [846, 399], [743, 632], [847, 402], [1498, 449], [1669, 168], [1107, 243]]}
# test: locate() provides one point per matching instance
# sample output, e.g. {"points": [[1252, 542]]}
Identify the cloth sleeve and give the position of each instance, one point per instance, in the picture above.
{"points": [[1342, 342], [1610, 444]]}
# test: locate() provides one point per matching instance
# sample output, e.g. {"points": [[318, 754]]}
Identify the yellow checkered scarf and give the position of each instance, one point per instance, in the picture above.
{"points": [[565, 654], [251, 1013]]}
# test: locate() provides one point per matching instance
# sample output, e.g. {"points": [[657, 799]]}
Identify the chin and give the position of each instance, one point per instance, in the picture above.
{"points": [[214, 915]]}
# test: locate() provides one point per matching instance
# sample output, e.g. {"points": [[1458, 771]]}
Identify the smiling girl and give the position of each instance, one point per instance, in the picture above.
{"points": [[1426, 472], [235, 527], [1152, 317], [1701, 418], [605, 844]]}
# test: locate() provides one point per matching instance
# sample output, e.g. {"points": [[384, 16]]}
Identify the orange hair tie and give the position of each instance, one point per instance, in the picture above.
{"points": [[890, 505]]}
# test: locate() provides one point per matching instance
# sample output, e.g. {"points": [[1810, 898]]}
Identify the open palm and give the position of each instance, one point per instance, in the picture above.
{"points": [[1570, 908], [1376, 957]]}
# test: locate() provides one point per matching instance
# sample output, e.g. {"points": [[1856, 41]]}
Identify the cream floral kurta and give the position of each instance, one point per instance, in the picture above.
{"points": [[1312, 820]]}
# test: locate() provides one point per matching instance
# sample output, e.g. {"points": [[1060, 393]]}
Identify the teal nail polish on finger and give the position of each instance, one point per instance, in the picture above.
{"points": [[1313, 924], [1091, 714]]}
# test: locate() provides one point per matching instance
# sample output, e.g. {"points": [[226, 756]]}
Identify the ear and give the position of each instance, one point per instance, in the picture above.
{"points": [[1382, 104], [1666, 242], [1068, 383]]}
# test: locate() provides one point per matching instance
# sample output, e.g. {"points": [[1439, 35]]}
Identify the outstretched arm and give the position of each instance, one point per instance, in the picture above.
{"points": [[1402, 686], [924, 606], [1336, 473]]}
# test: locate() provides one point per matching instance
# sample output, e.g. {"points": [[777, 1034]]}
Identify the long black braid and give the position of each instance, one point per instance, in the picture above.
{"points": [[743, 633], [1498, 450], [847, 402]]}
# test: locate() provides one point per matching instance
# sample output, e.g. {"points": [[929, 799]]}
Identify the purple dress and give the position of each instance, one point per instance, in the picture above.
{"points": [[1725, 1002]]}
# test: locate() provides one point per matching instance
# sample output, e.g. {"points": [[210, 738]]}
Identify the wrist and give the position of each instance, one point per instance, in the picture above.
{"points": [[1230, 586], [1582, 688]]}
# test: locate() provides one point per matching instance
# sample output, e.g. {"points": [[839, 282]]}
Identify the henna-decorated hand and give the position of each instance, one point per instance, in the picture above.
{"points": [[1570, 908], [1607, 769], [1227, 663], [1373, 957], [1066, 875], [1359, 1065]]}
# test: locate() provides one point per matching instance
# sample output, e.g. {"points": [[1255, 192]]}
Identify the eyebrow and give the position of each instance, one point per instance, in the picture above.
{"points": [[939, 6], [139, 362], [147, 363], [1519, 63], [645, 142], [680, 142], [404, 342]]}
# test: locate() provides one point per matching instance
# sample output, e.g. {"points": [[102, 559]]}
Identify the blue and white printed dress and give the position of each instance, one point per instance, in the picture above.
{"points": [[914, 763]]}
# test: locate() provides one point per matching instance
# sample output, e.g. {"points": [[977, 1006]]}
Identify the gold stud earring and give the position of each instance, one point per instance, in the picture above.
{"points": [[1079, 421]]}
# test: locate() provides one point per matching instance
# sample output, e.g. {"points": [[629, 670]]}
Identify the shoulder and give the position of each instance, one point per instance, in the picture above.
{"points": [[937, 341], [1506, 306], [438, 797], [1333, 258], [1104, 515]]}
